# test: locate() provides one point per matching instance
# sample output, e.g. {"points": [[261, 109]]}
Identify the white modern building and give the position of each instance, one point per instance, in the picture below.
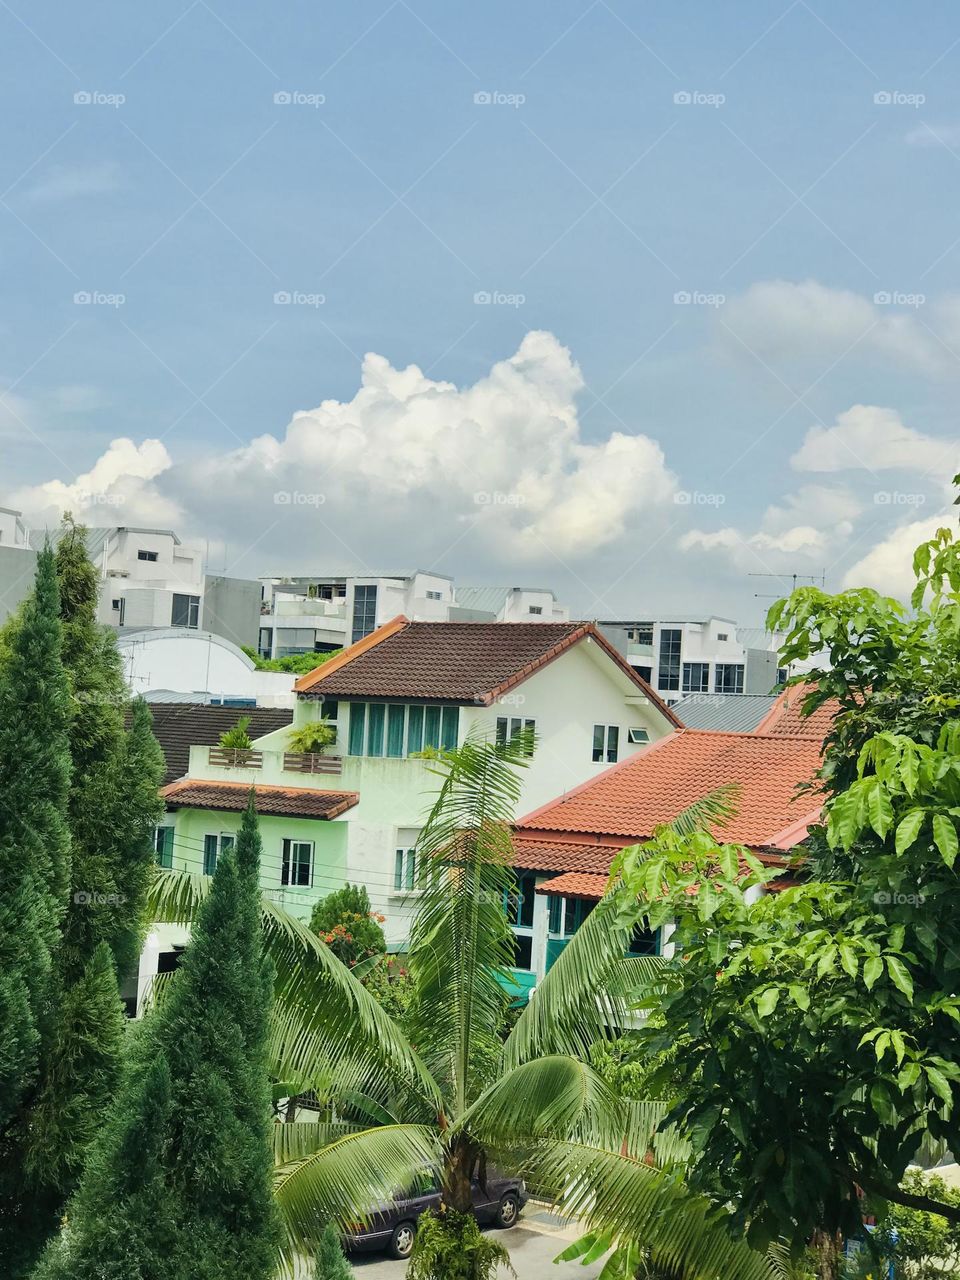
{"points": [[316, 614], [176, 664], [688, 655]]}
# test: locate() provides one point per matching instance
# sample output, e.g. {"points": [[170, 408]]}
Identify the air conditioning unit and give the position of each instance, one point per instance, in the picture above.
{"points": [[638, 736]]}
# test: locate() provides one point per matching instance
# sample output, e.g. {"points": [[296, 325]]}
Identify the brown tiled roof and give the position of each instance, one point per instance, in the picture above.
{"points": [[630, 799], [179, 726], [784, 719], [556, 855], [280, 802], [462, 662]]}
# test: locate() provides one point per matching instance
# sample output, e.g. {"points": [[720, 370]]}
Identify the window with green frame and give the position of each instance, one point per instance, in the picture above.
{"points": [[396, 729], [566, 915], [213, 847], [164, 847]]}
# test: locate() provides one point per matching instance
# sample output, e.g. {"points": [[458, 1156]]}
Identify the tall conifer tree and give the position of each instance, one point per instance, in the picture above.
{"points": [[183, 1169]]}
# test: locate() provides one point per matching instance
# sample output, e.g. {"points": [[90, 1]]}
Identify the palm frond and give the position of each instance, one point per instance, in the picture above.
{"points": [[298, 1139], [460, 941], [553, 1097], [345, 1180], [322, 1013], [631, 1202], [715, 809], [576, 1003]]}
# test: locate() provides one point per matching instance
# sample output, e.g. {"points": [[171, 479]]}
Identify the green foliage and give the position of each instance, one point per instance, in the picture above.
{"points": [[34, 840], [390, 983], [236, 738], [313, 737], [298, 664], [450, 1246], [330, 1264], [182, 1173], [346, 923], [814, 1031], [921, 1245]]}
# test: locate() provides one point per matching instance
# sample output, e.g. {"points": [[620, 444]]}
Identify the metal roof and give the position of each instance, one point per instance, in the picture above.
{"points": [[728, 712]]}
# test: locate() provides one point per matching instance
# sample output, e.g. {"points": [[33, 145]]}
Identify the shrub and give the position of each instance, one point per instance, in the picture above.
{"points": [[237, 738], [330, 1263], [450, 1246], [313, 737], [345, 921]]}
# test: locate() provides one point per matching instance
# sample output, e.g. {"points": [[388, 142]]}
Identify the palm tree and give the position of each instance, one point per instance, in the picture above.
{"points": [[446, 1092]]}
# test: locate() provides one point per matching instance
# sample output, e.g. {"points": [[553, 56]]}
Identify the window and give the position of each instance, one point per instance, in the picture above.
{"points": [[728, 677], [644, 942], [637, 736], [164, 847], [185, 612], [510, 726], [642, 633], [405, 869], [434, 595], [518, 902], [147, 555], [670, 641], [645, 673], [119, 609], [606, 743], [297, 866], [566, 915], [265, 645], [696, 677], [213, 847], [535, 608], [723, 635], [364, 612], [396, 730]]}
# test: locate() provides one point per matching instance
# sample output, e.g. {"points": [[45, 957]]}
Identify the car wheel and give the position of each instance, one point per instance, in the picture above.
{"points": [[508, 1210], [401, 1242]]}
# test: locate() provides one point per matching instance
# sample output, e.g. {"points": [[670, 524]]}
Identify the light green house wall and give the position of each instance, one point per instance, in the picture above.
{"points": [[329, 841]]}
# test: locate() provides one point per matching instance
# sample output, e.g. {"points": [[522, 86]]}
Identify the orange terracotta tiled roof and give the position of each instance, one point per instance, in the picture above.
{"points": [[627, 801], [575, 884], [555, 855], [293, 802], [458, 662], [784, 719]]}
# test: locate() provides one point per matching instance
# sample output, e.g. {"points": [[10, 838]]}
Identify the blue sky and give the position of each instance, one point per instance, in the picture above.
{"points": [[640, 453]]}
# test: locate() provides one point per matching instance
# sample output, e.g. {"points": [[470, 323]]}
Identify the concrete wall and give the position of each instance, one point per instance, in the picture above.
{"points": [[196, 662], [18, 565], [231, 608]]}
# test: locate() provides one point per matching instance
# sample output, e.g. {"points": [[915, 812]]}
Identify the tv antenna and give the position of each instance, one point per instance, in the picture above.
{"points": [[794, 578]]}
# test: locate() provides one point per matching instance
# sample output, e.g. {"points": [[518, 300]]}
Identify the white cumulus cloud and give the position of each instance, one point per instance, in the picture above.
{"points": [[868, 437]]}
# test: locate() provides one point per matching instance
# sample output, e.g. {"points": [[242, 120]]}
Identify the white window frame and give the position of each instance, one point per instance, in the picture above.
{"points": [[405, 869], [287, 863], [609, 752]]}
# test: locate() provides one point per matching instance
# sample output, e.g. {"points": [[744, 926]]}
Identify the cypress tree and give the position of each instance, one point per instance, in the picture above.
{"points": [[112, 806], [330, 1263], [34, 840], [209, 1213]]}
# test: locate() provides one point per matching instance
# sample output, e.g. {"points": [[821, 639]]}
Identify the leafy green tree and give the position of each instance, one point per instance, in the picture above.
{"points": [[237, 737], [921, 1245], [330, 1264], [34, 840], [815, 1029], [346, 922], [298, 664], [199, 1194]]}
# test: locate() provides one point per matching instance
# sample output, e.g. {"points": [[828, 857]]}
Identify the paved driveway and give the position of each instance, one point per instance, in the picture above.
{"points": [[533, 1245]]}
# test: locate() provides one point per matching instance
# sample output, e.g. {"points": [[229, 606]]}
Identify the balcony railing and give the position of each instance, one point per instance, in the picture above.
{"points": [[230, 758], [310, 762]]}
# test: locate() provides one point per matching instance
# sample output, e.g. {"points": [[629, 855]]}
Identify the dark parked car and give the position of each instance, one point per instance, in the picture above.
{"points": [[394, 1224]]}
